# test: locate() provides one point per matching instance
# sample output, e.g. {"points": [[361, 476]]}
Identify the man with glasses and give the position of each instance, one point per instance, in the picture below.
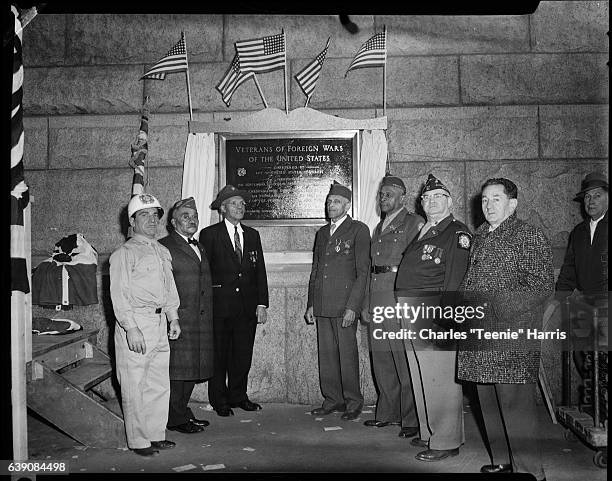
{"points": [[397, 229], [429, 274], [240, 299]]}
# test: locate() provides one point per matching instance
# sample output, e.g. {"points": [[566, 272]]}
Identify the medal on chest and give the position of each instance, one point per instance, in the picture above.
{"points": [[427, 250], [338, 243]]}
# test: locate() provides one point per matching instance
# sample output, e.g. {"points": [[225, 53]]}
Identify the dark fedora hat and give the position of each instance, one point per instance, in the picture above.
{"points": [[227, 192], [592, 181]]}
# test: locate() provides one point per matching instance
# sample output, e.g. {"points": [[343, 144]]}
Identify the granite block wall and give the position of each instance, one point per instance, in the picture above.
{"points": [[468, 98]]}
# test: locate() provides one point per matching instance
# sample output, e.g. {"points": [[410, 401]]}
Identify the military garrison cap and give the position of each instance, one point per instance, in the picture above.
{"points": [[339, 189], [434, 183]]}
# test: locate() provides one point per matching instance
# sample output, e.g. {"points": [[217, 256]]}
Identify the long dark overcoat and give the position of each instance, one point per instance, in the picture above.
{"points": [[511, 271], [191, 355]]}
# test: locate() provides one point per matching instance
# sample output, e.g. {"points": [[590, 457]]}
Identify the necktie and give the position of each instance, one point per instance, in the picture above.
{"points": [[237, 245], [192, 241], [332, 229]]}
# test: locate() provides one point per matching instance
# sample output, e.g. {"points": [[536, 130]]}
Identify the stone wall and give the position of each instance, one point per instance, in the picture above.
{"points": [[468, 98]]}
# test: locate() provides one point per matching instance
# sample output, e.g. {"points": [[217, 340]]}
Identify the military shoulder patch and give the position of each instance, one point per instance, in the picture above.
{"points": [[464, 240]]}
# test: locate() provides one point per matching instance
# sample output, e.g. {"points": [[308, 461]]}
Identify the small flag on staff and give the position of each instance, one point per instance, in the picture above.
{"points": [[308, 76], [262, 54], [232, 79], [20, 195], [373, 53], [174, 61]]}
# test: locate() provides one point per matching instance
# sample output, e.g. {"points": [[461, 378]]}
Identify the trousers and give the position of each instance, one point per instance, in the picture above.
{"points": [[145, 381], [338, 363]]}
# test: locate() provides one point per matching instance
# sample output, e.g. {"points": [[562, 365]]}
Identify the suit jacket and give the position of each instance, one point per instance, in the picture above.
{"points": [[191, 355], [340, 268], [585, 266], [235, 284]]}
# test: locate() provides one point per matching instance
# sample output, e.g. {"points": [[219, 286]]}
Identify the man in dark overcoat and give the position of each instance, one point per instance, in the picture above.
{"points": [[191, 356], [336, 288], [395, 404], [431, 269], [510, 277], [240, 299]]}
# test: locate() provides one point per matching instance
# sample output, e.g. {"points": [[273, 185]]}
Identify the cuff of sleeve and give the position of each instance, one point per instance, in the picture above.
{"points": [[262, 305], [127, 324], [172, 314]]}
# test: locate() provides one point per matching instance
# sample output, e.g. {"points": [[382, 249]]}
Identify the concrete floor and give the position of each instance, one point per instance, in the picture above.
{"points": [[284, 438]]}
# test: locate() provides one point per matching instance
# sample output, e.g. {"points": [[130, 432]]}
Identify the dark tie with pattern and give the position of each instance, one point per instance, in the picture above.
{"points": [[237, 245]]}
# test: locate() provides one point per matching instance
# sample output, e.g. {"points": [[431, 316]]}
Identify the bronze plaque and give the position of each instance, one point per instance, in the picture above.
{"points": [[288, 174]]}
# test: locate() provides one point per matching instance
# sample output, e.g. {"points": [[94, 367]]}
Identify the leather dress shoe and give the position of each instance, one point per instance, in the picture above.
{"points": [[419, 443], [324, 411], [186, 428], [350, 415], [433, 455], [200, 422], [496, 468], [379, 424], [407, 432], [164, 444], [147, 452], [247, 405], [224, 411]]}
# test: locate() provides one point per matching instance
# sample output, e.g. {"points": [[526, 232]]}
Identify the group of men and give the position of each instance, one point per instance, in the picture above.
{"points": [[504, 269], [186, 311]]}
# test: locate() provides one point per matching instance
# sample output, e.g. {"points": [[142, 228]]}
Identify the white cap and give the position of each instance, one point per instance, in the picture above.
{"points": [[143, 201]]}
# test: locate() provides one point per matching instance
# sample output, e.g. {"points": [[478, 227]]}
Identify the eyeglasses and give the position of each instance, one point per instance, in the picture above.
{"points": [[428, 197]]}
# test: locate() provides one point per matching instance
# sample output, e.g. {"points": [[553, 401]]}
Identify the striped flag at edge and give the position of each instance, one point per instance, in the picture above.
{"points": [[262, 54], [232, 79], [20, 195], [373, 53], [308, 76], [140, 148], [174, 61]]}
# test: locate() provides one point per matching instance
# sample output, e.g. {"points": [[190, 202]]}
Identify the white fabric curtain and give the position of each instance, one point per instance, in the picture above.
{"points": [[371, 171], [199, 174]]}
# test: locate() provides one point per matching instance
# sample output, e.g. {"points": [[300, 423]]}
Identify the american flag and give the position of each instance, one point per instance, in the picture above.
{"points": [[232, 79], [262, 54], [174, 61], [308, 76], [20, 195], [373, 53]]}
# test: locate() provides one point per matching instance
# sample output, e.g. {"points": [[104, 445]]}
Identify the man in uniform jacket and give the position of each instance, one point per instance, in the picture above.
{"points": [[191, 356], [395, 404], [429, 274], [510, 277], [240, 299], [340, 266]]}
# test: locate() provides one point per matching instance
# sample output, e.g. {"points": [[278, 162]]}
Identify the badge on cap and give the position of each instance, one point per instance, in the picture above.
{"points": [[464, 241]]}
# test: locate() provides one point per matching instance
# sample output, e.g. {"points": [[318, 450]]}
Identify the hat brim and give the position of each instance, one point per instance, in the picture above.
{"points": [[226, 195], [594, 185]]}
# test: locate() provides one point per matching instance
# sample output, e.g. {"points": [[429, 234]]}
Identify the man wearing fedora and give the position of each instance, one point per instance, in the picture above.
{"points": [[585, 266], [340, 267], [240, 299]]}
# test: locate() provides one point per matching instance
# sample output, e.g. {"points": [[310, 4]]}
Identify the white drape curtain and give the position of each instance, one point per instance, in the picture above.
{"points": [[199, 174], [371, 171]]}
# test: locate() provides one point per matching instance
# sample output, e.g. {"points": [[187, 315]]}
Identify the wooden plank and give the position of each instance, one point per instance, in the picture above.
{"points": [[65, 355], [90, 372], [46, 343]]}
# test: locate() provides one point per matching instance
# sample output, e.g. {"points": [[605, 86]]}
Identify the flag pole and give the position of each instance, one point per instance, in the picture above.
{"points": [[307, 100], [187, 74], [260, 91], [385, 74], [285, 72]]}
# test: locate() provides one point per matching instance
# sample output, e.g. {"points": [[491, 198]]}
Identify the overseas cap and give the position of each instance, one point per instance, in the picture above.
{"points": [[188, 202], [434, 183], [339, 189], [393, 181]]}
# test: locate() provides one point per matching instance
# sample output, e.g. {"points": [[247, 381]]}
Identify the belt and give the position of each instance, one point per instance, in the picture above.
{"points": [[383, 269]]}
